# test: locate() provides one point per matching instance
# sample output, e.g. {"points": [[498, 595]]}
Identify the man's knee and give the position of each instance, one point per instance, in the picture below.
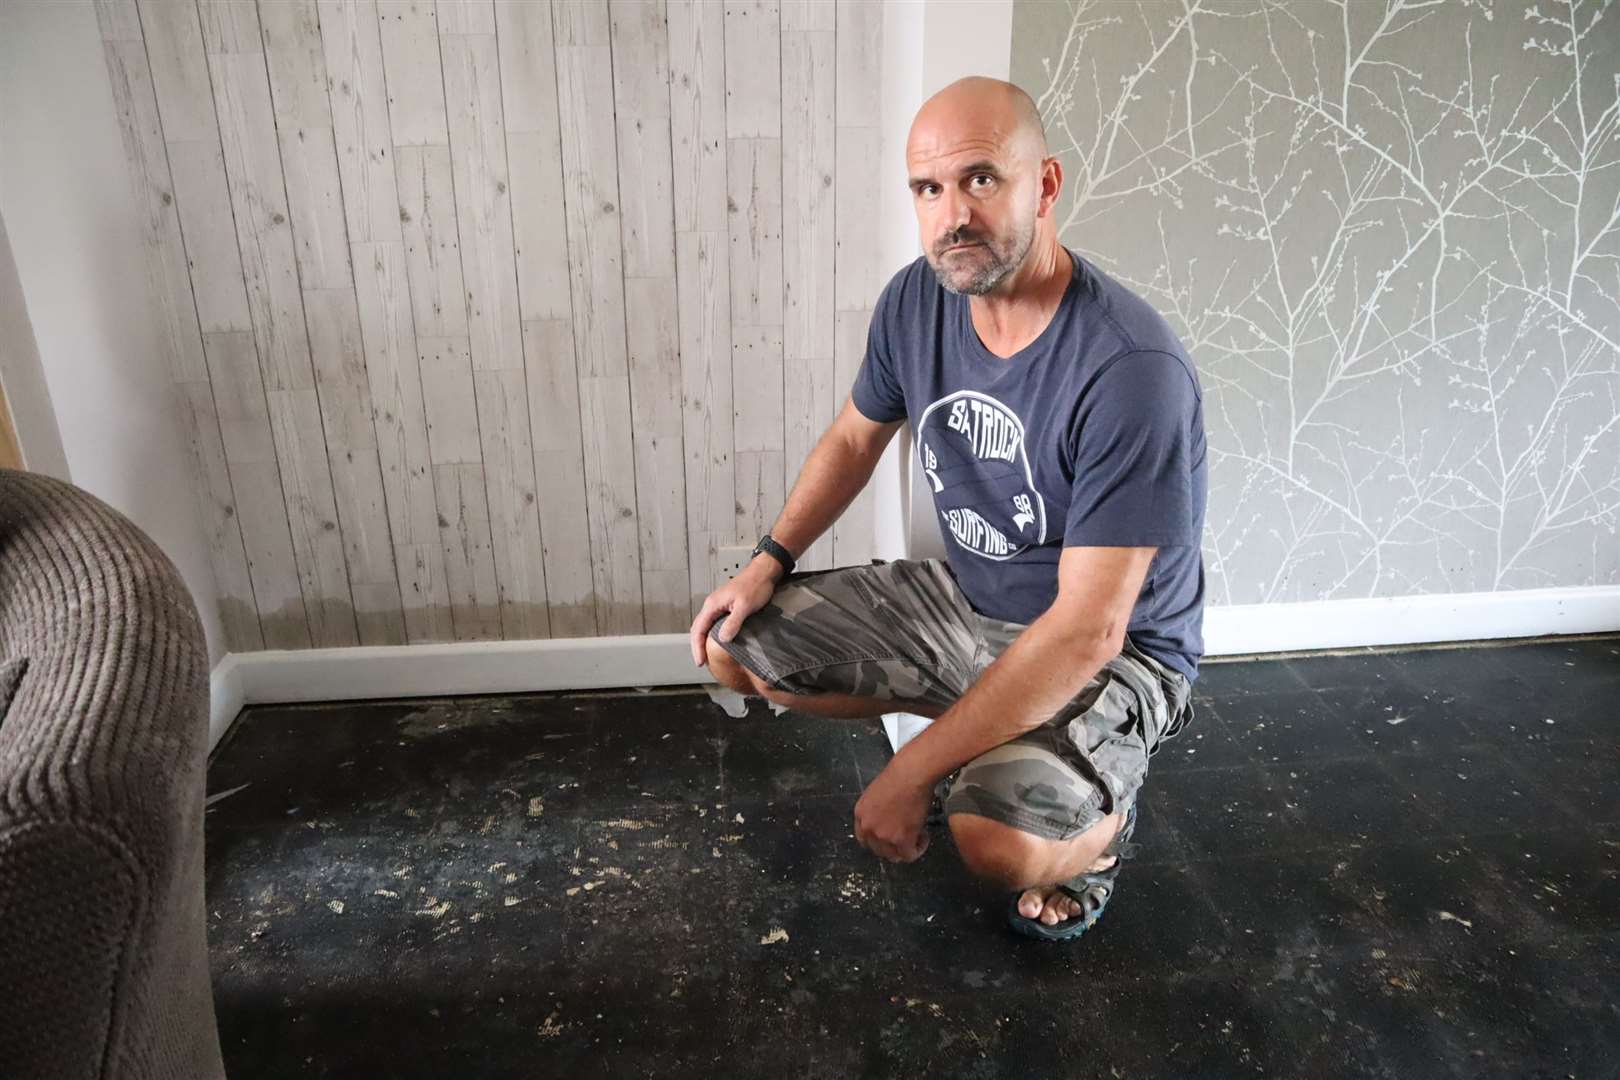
{"points": [[734, 675], [1018, 859], [1000, 853], [727, 671]]}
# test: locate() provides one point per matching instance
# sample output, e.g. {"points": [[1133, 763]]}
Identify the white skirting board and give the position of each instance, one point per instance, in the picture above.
{"points": [[446, 669], [503, 667], [1410, 620]]}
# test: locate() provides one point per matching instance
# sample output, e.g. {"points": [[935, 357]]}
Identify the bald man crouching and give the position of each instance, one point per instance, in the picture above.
{"points": [[1059, 423]]}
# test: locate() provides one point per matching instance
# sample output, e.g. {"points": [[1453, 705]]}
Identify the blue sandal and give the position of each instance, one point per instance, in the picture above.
{"points": [[1091, 891]]}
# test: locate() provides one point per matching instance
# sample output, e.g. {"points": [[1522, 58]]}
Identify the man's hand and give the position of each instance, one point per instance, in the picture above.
{"points": [[890, 816], [741, 596]]}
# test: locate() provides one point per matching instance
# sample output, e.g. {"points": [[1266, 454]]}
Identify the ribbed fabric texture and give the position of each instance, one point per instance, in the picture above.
{"points": [[103, 946], [11, 673]]}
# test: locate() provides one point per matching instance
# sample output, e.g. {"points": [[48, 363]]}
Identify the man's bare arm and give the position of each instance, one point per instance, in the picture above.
{"points": [[1036, 676], [835, 472]]}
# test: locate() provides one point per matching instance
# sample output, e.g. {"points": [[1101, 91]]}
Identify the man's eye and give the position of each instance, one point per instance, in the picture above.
{"points": [[985, 177]]}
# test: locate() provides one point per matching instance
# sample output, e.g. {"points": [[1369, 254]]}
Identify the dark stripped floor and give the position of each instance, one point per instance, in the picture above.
{"points": [[1394, 865]]}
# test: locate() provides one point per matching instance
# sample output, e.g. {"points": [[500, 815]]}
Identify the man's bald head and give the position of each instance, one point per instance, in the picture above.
{"points": [[979, 107], [981, 182]]}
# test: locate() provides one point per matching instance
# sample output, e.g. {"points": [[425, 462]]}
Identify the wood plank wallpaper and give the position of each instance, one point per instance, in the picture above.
{"points": [[497, 318]]}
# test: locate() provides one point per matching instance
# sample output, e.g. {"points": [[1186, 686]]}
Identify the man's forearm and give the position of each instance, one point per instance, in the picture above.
{"points": [[1036, 676], [832, 476]]}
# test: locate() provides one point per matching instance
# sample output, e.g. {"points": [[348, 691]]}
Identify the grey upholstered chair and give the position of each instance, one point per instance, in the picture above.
{"points": [[103, 745]]}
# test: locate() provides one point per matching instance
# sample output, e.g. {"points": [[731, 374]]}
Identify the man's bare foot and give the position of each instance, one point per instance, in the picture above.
{"points": [[1050, 904]]}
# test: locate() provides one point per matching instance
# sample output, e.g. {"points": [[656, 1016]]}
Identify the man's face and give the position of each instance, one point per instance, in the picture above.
{"points": [[976, 201]]}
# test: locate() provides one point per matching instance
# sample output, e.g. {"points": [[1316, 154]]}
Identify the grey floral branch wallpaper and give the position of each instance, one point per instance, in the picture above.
{"points": [[1389, 232]]}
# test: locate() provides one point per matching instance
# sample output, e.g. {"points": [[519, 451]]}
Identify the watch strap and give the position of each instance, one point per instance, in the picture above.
{"points": [[769, 546]]}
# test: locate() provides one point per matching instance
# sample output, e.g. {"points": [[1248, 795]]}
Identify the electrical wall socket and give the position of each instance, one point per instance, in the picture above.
{"points": [[729, 561]]}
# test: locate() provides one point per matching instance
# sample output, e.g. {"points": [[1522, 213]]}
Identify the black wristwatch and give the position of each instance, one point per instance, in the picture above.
{"points": [[770, 547]]}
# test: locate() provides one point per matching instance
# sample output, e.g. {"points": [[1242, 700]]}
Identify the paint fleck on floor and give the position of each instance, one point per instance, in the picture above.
{"points": [[1402, 864]]}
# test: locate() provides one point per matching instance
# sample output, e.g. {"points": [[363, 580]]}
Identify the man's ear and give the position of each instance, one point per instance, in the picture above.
{"points": [[1051, 185]]}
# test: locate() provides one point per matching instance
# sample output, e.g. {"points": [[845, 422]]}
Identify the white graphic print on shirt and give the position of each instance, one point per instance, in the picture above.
{"points": [[973, 453]]}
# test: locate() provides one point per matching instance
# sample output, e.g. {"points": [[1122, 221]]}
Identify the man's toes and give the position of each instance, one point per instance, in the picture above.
{"points": [[1050, 908], [1059, 906], [1054, 910]]}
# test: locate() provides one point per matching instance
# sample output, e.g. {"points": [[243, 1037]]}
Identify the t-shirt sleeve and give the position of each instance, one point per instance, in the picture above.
{"points": [[1134, 445], [877, 392]]}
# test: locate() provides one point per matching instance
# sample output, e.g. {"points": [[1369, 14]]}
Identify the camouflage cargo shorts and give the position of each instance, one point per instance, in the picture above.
{"points": [[903, 631]]}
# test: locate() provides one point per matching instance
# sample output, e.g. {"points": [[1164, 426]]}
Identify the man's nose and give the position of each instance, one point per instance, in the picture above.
{"points": [[955, 211]]}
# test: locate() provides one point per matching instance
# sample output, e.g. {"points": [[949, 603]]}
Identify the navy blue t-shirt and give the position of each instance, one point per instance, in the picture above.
{"points": [[1092, 435]]}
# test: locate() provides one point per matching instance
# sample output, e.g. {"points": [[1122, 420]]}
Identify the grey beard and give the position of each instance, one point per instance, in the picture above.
{"points": [[989, 276], [980, 283]]}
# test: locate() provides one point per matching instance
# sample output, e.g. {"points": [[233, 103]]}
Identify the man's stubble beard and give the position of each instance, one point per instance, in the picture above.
{"points": [[1005, 257]]}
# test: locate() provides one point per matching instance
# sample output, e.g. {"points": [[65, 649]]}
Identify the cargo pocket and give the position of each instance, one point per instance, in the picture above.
{"points": [[1107, 738]]}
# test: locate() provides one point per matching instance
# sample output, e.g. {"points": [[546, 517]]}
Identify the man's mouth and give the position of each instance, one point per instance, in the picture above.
{"points": [[961, 247]]}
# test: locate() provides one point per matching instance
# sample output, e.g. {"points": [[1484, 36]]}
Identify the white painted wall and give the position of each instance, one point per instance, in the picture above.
{"points": [[76, 241], [929, 44], [903, 39], [966, 37], [22, 376]]}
